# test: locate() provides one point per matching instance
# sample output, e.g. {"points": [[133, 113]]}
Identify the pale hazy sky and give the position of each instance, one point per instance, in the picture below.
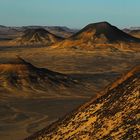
{"points": [[71, 13]]}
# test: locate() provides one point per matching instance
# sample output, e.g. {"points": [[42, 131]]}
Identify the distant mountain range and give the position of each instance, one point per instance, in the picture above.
{"points": [[95, 36], [33, 35], [113, 116], [8, 33], [133, 28], [12, 32], [134, 31]]}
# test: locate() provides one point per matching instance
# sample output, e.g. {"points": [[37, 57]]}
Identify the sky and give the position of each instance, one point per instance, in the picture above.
{"points": [[71, 13]]}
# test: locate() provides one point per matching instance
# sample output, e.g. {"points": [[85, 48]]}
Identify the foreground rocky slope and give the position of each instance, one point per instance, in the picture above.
{"points": [[114, 116]]}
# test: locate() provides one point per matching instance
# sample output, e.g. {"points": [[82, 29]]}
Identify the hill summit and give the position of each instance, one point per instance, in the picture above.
{"points": [[37, 37], [106, 30]]}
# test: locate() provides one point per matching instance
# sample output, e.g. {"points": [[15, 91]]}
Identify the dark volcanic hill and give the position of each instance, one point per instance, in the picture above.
{"points": [[37, 37], [113, 116], [98, 34], [104, 29], [23, 79]]}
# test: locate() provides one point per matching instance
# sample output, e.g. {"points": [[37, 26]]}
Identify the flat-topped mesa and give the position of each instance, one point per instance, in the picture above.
{"points": [[115, 115], [37, 36]]}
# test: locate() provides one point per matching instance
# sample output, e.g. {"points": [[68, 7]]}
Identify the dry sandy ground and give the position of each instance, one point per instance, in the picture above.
{"points": [[22, 117]]}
